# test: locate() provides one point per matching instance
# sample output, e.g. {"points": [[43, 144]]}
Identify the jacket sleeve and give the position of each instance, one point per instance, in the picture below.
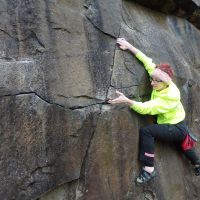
{"points": [[148, 64], [155, 106]]}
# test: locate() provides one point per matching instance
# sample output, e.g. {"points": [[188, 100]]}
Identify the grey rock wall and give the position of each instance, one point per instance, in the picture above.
{"points": [[188, 9], [59, 63]]}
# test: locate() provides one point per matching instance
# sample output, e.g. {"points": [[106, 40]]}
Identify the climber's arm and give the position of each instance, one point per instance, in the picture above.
{"points": [[121, 99], [124, 45], [148, 64]]}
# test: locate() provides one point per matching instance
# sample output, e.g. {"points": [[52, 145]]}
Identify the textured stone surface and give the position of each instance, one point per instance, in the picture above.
{"points": [[188, 9], [59, 63], [42, 145]]}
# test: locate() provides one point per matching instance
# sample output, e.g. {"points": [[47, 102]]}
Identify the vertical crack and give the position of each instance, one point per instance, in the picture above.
{"points": [[113, 62], [83, 166]]}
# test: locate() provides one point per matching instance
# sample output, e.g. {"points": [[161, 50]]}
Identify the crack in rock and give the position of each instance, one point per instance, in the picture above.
{"points": [[102, 102]]}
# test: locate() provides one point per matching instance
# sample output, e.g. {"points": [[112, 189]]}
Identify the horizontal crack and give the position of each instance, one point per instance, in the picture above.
{"points": [[57, 26], [80, 96], [71, 107], [80, 107], [125, 87], [30, 93], [97, 27]]}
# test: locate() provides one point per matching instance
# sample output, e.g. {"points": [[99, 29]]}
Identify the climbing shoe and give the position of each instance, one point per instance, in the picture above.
{"points": [[145, 177], [197, 170]]}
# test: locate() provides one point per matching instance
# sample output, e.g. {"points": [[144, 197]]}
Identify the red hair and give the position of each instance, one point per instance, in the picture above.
{"points": [[166, 68]]}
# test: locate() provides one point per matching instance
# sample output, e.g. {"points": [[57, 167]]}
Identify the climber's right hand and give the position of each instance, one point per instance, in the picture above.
{"points": [[123, 44]]}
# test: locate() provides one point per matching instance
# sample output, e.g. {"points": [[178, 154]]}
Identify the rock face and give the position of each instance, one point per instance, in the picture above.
{"points": [[188, 9], [59, 63]]}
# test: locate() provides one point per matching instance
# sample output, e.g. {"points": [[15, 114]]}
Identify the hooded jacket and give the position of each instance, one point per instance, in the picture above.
{"points": [[165, 103]]}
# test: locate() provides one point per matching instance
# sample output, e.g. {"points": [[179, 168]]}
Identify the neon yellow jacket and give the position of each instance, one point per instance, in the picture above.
{"points": [[165, 104]]}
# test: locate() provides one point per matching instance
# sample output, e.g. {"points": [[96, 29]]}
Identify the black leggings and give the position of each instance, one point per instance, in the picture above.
{"points": [[164, 132]]}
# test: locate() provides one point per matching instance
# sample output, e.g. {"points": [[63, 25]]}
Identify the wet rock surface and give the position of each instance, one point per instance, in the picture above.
{"points": [[59, 64]]}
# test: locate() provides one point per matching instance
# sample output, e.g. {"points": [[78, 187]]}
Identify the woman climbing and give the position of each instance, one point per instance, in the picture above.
{"points": [[165, 103]]}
